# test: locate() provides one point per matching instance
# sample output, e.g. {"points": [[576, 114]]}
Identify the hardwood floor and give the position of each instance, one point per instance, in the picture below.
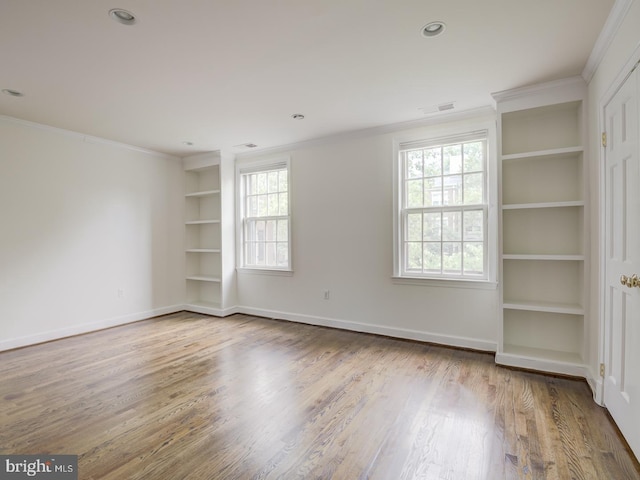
{"points": [[192, 397]]}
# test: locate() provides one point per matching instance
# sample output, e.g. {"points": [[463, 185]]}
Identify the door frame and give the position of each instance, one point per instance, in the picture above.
{"points": [[611, 91]]}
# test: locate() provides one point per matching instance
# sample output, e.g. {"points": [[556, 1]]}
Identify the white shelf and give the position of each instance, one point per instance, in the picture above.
{"points": [[539, 306], [205, 193], [203, 250], [201, 222], [522, 206], [512, 256], [554, 152], [542, 173], [204, 278]]}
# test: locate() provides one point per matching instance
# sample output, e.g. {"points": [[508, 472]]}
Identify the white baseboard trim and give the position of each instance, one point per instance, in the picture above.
{"points": [[42, 337], [596, 384], [408, 334], [218, 312], [541, 365]]}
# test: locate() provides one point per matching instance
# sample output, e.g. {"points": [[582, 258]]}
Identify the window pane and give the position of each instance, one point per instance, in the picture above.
{"points": [[272, 183], [413, 255], [266, 242], [251, 184], [432, 257], [283, 231], [260, 254], [414, 227], [250, 253], [283, 204], [452, 190], [452, 159], [414, 193], [473, 188], [270, 253], [473, 225], [444, 211], [451, 257], [474, 258], [261, 182], [259, 232], [414, 164], [451, 226], [283, 254], [432, 227], [433, 192], [272, 208], [252, 207], [282, 181], [270, 231], [433, 162], [262, 205], [473, 157]]}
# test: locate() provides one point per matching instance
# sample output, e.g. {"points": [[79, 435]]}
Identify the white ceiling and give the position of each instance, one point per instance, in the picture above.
{"points": [[220, 73]]}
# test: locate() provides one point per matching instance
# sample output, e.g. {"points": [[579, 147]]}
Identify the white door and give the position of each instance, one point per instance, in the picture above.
{"points": [[622, 257]]}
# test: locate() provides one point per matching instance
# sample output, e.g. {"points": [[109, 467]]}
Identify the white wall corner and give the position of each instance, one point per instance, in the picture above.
{"points": [[201, 160]]}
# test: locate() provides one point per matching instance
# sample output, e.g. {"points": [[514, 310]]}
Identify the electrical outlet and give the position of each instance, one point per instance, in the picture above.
{"points": [[120, 293], [327, 294]]}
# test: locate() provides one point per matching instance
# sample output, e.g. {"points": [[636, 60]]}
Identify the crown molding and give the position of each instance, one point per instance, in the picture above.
{"points": [[435, 119], [607, 34], [504, 95]]}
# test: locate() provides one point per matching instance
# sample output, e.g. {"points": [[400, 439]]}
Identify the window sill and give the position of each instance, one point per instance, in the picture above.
{"points": [[265, 271], [446, 282]]}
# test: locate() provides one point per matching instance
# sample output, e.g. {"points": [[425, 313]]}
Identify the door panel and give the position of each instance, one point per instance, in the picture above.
{"points": [[622, 227]]}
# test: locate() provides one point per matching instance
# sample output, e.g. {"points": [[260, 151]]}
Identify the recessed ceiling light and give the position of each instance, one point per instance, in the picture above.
{"points": [[245, 145], [13, 93], [297, 116], [433, 29], [122, 16]]}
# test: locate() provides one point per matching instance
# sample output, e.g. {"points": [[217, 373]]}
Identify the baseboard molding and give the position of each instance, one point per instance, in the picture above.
{"points": [[540, 365], [407, 334], [86, 327], [217, 312], [597, 386]]}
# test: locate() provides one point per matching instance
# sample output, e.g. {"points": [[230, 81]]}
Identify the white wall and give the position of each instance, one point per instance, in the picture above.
{"points": [[342, 207], [625, 42], [80, 220]]}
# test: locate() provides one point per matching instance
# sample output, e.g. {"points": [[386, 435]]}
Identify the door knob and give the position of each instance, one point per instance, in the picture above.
{"points": [[632, 281]]}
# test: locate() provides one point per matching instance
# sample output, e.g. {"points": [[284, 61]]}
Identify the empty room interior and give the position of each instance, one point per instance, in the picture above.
{"points": [[320, 239]]}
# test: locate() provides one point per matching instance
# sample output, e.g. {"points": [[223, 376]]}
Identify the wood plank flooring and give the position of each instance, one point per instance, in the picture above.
{"points": [[193, 397]]}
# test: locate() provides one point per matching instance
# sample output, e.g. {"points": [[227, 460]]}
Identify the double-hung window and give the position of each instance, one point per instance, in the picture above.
{"points": [[443, 214], [265, 216]]}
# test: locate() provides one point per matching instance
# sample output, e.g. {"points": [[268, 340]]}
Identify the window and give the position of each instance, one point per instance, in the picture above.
{"points": [[265, 218], [443, 213]]}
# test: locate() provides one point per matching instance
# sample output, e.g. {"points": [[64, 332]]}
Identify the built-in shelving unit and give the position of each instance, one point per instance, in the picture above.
{"points": [[542, 227], [209, 280]]}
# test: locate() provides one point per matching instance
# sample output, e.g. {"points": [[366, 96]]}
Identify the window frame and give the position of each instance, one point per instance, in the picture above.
{"points": [[436, 136], [242, 170]]}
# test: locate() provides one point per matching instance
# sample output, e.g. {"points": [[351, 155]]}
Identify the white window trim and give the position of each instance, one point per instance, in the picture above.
{"points": [[435, 135], [254, 166]]}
